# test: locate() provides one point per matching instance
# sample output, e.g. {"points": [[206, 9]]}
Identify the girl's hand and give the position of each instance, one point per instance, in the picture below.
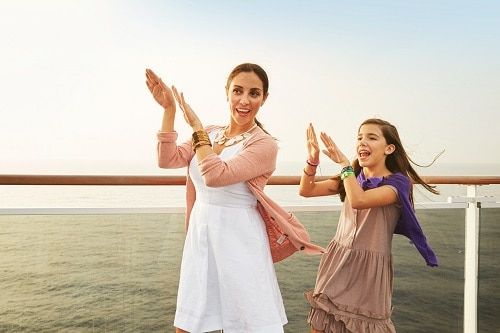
{"points": [[160, 91], [312, 145], [189, 115], [332, 151]]}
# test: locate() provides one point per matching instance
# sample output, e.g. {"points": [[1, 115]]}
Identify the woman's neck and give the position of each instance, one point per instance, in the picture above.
{"points": [[235, 129]]}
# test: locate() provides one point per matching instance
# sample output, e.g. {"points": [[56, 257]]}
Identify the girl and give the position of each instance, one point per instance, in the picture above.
{"points": [[227, 278], [353, 288]]}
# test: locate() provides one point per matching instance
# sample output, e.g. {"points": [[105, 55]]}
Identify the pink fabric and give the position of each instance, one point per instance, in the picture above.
{"points": [[254, 165], [355, 277]]}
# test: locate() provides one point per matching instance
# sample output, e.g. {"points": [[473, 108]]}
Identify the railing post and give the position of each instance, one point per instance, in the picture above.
{"points": [[471, 260]]}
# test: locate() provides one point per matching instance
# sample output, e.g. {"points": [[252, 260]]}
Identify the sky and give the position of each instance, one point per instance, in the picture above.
{"points": [[73, 94]]}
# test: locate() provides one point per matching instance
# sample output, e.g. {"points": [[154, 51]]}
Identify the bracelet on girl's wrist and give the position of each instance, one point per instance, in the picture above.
{"points": [[346, 172], [347, 168], [311, 163]]}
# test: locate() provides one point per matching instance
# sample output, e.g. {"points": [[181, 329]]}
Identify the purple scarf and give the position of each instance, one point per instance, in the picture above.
{"points": [[407, 224]]}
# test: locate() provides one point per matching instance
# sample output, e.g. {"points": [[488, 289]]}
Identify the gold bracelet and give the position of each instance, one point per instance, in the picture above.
{"points": [[198, 144], [308, 174], [200, 136]]}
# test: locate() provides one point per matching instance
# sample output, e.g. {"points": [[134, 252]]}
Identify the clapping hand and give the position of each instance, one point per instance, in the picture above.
{"points": [[312, 145], [189, 115], [332, 151], [160, 91]]}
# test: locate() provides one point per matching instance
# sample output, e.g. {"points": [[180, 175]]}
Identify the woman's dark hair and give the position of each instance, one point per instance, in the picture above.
{"points": [[259, 71], [398, 161]]}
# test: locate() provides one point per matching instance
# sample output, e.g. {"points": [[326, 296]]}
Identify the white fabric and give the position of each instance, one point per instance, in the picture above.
{"points": [[227, 278]]}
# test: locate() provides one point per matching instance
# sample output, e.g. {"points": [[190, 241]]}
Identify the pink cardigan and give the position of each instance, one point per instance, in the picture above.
{"points": [[254, 164]]}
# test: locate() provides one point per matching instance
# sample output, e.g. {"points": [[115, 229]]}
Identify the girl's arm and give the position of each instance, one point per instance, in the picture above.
{"points": [[359, 199], [309, 187]]}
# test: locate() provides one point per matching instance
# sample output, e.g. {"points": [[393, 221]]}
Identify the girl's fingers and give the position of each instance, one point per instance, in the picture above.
{"points": [[312, 130]]}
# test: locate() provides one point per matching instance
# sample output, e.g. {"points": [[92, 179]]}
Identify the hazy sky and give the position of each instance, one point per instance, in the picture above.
{"points": [[73, 92]]}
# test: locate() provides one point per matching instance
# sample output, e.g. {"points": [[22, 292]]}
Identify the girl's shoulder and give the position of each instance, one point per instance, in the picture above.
{"points": [[399, 180]]}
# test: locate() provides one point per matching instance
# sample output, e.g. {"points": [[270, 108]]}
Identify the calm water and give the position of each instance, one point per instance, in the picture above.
{"points": [[119, 273]]}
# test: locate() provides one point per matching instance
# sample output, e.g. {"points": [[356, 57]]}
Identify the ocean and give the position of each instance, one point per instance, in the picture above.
{"points": [[119, 272]]}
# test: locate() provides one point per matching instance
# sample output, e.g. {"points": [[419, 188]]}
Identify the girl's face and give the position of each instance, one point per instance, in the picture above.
{"points": [[245, 95], [372, 148]]}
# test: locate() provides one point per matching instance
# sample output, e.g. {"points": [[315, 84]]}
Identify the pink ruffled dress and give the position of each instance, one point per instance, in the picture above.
{"points": [[353, 288]]}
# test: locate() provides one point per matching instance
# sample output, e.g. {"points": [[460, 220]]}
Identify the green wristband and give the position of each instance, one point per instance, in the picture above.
{"points": [[346, 174]]}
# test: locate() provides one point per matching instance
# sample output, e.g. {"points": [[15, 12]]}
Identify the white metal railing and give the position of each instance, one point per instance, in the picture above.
{"points": [[472, 203]]}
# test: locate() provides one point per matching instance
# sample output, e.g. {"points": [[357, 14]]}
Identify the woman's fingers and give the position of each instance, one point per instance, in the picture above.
{"points": [[186, 110], [177, 97]]}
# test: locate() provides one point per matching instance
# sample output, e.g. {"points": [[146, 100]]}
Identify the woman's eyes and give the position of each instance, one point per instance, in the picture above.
{"points": [[254, 94]]}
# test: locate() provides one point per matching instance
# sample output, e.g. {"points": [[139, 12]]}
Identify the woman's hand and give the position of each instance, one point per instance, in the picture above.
{"points": [[332, 151], [189, 115], [312, 145], [160, 91]]}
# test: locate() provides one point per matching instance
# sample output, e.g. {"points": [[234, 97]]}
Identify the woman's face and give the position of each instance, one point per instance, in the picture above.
{"points": [[372, 148], [245, 95]]}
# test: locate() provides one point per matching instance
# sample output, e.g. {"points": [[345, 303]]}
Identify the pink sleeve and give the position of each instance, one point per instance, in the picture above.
{"points": [[170, 155], [257, 158]]}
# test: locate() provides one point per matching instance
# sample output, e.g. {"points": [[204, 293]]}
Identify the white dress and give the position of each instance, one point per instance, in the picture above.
{"points": [[227, 278]]}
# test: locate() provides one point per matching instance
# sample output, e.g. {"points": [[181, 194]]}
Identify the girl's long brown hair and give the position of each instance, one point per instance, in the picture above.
{"points": [[398, 161]]}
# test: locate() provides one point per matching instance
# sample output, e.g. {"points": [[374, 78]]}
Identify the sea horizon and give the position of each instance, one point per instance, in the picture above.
{"points": [[51, 196]]}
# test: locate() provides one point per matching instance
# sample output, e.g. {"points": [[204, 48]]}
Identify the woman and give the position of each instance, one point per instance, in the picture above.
{"points": [[227, 278], [353, 291]]}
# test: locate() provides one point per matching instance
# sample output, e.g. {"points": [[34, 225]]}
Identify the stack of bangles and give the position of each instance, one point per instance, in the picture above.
{"points": [[314, 165], [346, 172], [200, 138]]}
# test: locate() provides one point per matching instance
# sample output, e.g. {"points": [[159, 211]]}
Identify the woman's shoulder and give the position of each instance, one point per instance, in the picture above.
{"points": [[211, 128], [263, 139]]}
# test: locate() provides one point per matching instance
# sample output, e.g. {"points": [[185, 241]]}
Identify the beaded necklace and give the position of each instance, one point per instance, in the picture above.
{"points": [[222, 139]]}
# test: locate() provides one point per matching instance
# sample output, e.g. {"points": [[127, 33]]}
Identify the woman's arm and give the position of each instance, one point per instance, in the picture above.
{"points": [[257, 158], [164, 97], [171, 155]]}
